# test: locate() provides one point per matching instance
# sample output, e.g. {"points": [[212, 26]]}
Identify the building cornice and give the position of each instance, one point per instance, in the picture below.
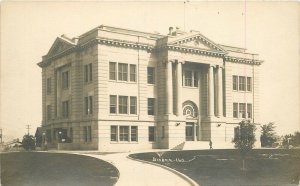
{"points": [[193, 50], [243, 60]]}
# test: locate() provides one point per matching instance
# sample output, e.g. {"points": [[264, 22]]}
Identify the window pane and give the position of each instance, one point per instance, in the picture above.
{"points": [[113, 104], [112, 71], [249, 110], [123, 104], [123, 71], [234, 82], [132, 105], [113, 133], [65, 79], [188, 78], [86, 105], [85, 73], [242, 83], [151, 131], [134, 133], [151, 107], [195, 79], [249, 84], [49, 85], [235, 110], [132, 73], [150, 75], [90, 72], [90, 104], [124, 133], [242, 110]]}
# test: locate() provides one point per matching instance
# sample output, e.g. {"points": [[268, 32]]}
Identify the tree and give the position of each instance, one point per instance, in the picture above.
{"points": [[244, 138], [268, 135], [291, 140], [28, 142]]}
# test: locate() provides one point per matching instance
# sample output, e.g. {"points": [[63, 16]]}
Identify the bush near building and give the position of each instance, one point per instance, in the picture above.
{"points": [[28, 142]]}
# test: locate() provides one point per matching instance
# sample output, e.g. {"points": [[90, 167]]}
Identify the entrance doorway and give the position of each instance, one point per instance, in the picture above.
{"points": [[191, 131]]}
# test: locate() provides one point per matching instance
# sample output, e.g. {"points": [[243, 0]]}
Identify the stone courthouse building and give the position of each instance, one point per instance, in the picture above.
{"points": [[115, 89]]}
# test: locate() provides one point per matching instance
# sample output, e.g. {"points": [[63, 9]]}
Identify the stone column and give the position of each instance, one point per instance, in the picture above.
{"points": [[179, 88], [169, 89], [220, 92], [211, 101]]}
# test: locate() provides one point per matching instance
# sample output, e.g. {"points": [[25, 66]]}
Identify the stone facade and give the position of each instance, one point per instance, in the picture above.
{"points": [[114, 89]]}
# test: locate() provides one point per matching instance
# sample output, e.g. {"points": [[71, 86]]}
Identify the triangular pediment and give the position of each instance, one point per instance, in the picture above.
{"points": [[195, 40], [59, 45]]}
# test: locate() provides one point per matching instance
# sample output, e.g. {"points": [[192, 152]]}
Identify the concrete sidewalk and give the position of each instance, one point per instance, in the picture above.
{"points": [[135, 173]]}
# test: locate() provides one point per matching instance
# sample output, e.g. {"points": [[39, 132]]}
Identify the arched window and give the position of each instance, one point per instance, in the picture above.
{"points": [[190, 109]]}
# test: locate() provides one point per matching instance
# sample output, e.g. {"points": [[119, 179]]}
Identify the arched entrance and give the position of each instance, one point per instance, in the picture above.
{"points": [[190, 111]]}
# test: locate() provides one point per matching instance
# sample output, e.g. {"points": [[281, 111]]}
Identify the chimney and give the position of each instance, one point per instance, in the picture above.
{"points": [[170, 30]]}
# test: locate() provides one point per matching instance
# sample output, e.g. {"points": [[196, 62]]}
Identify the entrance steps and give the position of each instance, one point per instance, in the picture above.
{"points": [[198, 145]]}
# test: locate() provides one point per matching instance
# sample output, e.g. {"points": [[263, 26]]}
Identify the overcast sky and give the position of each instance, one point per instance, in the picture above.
{"points": [[270, 29]]}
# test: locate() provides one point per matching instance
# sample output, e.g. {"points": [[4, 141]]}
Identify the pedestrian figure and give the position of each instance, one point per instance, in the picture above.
{"points": [[210, 144]]}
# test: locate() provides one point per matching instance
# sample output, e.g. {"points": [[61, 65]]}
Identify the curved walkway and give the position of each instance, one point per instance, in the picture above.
{"points": [[136, 173]]}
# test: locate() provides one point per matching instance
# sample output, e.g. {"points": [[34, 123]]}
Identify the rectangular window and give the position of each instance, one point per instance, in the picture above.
{"points": [[249, 110], [242, 110], [151, 131], [88, 76], [49, 110], [249, 84], [89, 133], [242, 83], [88, 105], [133, 73], [151, 75], [151, 106], [112, 104], [188, 78], [124, 133], [65, 79], [235, 82], [235, 110], [65, 109], [122, 72], [163, 132], [134, 133], [85, 134], [123, 104], [133, 105], [236, 132], [112, 71], [48, 86], [195, 79], [113, 133]]}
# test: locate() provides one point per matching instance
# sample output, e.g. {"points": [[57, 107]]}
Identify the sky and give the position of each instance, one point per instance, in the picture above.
{"points": [[28, 29]]}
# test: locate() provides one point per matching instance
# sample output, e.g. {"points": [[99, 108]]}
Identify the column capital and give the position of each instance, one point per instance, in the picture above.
{"points": [[181, 61], [213, 66]]}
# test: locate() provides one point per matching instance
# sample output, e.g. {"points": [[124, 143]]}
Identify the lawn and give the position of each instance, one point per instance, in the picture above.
{"points": [[223, 167], [51, 169]]}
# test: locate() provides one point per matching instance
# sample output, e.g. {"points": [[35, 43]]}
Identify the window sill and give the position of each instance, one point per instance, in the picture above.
{"points": [[124, 142], [190, 87], [126, 82]]}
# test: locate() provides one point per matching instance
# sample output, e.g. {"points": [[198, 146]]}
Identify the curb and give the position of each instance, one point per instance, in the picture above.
{"points": [[186, 178]]}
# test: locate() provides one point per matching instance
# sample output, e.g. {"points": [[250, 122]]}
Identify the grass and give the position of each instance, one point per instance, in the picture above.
{"points": [[51, 169], [223, 167]]}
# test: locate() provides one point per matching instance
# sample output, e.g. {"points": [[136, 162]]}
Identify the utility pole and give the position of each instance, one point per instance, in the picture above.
{"points": [[1, 136], [28, 127]]}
